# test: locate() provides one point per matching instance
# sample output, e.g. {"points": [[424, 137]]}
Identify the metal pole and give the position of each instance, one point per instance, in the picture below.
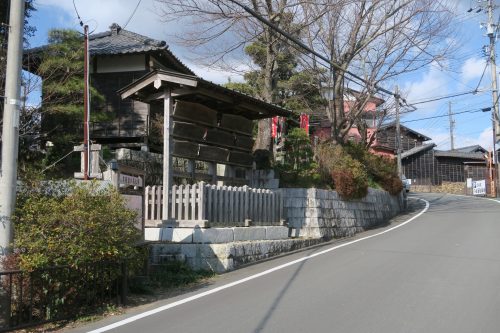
{"points": [[452, 125], [10, 134], [86, 103], [398, 132], [491, 29]]}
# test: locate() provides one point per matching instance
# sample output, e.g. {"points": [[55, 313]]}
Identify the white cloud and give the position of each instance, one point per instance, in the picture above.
{"points": [[433, 83], [216, 76], [443, 142], [472, 69], [100, 14]]}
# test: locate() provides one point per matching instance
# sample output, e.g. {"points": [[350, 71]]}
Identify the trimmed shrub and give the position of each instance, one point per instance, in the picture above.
{"points": [[86, 224]]}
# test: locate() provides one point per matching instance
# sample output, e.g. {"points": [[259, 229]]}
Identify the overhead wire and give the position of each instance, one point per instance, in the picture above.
{"points": [[132, 15], [440, 116], [310, 50]]}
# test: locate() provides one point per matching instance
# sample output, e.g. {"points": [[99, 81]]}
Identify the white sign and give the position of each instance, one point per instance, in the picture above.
{"points": [[479, 187], [130, 180], [469, 182]]}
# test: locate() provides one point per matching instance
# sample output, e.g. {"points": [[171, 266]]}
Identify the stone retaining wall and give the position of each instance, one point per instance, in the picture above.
{"points": [[224, 257], [315, 213], [312, 215]]}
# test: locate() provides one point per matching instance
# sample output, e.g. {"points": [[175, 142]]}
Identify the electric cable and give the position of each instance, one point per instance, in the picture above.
{"points": [[434, 117], [132, 15], [308, 49]]}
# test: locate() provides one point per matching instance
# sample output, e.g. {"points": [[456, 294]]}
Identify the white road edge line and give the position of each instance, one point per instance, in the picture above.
{"points": [[252, 277]]}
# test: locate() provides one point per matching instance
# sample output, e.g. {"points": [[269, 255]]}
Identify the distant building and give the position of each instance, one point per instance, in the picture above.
{"points": [[448, 170], [321, 127], [385, 139]]}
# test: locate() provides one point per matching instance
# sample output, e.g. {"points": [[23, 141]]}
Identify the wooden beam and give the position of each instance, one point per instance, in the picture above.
{"points": [[174, 93], [167, 149], [159, 80], [179, 80]]}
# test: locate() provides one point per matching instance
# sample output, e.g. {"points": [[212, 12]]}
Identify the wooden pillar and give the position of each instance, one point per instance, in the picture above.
{"points": [[167, 151], [212, 170], [191, 170]]}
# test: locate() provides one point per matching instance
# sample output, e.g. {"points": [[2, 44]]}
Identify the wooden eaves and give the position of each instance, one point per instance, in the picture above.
{"points": [[191, 88]]}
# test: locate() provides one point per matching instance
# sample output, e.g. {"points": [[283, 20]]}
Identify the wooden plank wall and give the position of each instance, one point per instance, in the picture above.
{"points": [[204, 134]]}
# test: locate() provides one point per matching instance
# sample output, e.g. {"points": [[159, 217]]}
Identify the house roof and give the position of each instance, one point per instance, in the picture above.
{"points": [[459, 154], [417, 149], [118, 41], [471, 149], [195, 89], [407, 129]]}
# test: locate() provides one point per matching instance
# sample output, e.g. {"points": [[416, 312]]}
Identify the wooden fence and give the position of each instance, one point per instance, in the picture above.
{"points": [[217, 205]]}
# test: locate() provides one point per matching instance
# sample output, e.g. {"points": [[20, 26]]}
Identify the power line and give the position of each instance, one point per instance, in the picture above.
{"points": [[468, 111], [482, 75], [433, 99], [308, 49], [77, 14], [132, 15]]}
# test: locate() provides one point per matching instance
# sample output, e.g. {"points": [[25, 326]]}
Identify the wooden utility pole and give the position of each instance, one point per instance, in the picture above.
{"points": [[452, 126], [86, 104], [398, 132]]}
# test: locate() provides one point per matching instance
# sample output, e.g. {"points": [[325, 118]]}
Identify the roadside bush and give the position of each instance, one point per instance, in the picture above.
{"points": [[382, 170], [84, 223], [348, 174]]}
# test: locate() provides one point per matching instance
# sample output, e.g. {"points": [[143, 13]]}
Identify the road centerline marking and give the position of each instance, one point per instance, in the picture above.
{"points": [[251, 277]]}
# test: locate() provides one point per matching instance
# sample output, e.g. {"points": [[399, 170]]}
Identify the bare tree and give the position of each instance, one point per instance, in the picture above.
{"points": [[218, 30], [378, 41]]}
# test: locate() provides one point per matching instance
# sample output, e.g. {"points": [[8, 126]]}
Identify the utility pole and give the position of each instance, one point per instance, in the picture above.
{"points": [[86, 104], [10, 128], [452, 126], [398, 132], [491, 32]]}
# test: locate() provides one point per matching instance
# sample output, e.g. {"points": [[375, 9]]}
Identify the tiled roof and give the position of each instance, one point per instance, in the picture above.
{"points": [[458, 154], [471, 149], [417, 149], [120, 41], [407, 129]]}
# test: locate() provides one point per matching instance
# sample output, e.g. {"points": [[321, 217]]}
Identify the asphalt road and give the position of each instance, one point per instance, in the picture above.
{"points": [[438, 273]]}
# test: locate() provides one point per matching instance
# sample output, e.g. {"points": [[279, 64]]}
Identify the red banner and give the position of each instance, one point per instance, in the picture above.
{"points": [[274, 127], [304, 122]]}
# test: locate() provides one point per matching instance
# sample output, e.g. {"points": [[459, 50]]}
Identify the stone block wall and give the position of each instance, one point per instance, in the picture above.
{"points": [[313, 216], [315, 213], [223, 257]]}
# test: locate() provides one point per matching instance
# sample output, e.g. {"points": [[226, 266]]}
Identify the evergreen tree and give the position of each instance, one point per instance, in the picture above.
{"points": [[62, 68]]}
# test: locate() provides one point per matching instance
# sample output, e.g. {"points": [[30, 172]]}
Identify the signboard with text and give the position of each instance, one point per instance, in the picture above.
{"points": [[128, 180], [479, 187]]}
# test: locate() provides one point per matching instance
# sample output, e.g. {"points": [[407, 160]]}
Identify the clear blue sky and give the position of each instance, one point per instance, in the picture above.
{"points": [[457, 75]]}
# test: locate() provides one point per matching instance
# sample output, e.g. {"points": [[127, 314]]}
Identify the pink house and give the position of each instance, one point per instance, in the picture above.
{"points": [[321, 126]]}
